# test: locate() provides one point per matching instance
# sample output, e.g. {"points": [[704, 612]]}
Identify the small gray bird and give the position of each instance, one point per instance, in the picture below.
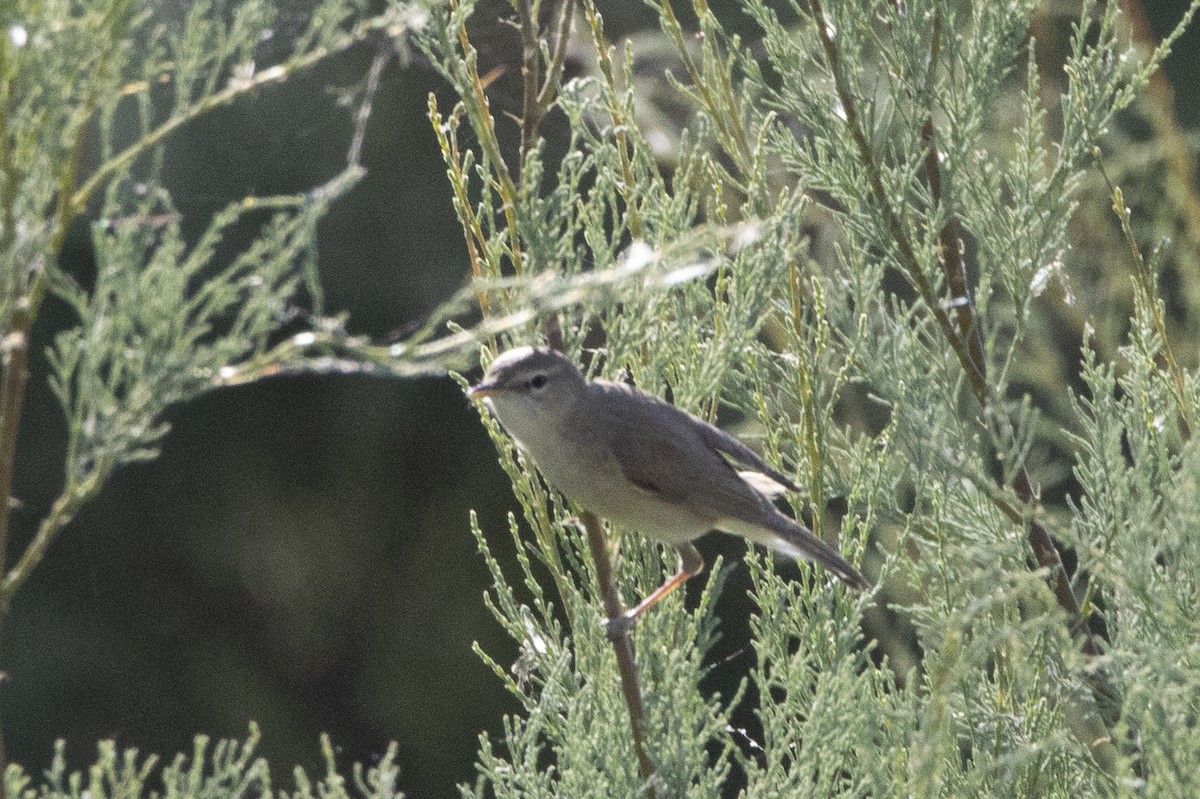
{"points": [[640, 462]]}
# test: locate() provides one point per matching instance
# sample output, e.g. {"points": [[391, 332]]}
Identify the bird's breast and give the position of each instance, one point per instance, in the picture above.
{"points": [[575, 459], [592, 477]]}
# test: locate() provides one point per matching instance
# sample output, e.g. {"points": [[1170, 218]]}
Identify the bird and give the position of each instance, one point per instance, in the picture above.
{"points": [[635, 460]]}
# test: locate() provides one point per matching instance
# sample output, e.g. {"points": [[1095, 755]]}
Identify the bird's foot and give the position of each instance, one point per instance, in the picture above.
{"points": [[618, 628]]}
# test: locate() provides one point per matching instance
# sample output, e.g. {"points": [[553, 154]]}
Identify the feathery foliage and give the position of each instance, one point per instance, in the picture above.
{"points": [[226, 768], [862, 241], [885, 203], [163, 321], [90, 93]]}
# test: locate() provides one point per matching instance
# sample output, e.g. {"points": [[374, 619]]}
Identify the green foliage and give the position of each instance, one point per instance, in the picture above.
{"points": [[860, 244], [886, 310], [161, 320], [227, 768], [89, 94], [156, 329]]}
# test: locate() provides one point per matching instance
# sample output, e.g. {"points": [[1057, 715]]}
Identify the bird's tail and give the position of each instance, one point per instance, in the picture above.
{"points": [[797, 541]]}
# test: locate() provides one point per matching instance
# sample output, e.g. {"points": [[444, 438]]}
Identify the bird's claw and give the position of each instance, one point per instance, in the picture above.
{"points": [[621, 626]]}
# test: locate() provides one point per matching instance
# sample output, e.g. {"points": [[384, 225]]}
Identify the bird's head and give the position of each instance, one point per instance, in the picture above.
{"points": [[530, 383]]}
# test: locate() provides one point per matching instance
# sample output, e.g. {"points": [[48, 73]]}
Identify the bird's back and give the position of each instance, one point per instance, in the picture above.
{"points": [[666, 452]]}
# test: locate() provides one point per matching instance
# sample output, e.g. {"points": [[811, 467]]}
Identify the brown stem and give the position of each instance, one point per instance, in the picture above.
{"points": [[531, 66], [964, 337], [622, 645], [479, 110], [540, 81], [12, 396], [954, 269], [558, 56], [614, 608], [1046, 554], [615, 113]]}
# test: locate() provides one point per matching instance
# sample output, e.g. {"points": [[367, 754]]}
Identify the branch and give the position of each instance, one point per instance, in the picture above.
{"points": [[558, 55], [12, 395], [1147, 284], [965, 337], [63, 511], [479, 111], [531, 114], [622, 644], [276, 74], [620, 126]]}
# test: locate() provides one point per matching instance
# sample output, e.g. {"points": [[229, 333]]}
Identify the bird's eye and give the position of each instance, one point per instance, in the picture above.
{"points": [[538, 381]]}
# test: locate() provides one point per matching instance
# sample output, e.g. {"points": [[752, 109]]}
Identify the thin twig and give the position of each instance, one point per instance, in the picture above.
{"points": [[445, 129], [622, 646], [1166, 357], [275, 74], [11, 185], [722, 112], [558, 55], [531, 67], [485, 130], [12, 396], [354, 153], [964, 337], [620, 127], [64, 509], [68, 206]]}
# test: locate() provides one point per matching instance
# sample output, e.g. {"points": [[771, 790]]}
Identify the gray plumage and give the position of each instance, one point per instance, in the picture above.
{"points": [[641, 462]]}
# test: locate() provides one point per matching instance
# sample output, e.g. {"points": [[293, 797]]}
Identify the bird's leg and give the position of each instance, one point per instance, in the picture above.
{"points": [[691, 563]]}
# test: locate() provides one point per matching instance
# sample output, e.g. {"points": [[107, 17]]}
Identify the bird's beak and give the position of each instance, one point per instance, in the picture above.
{"points": [[483, 391]]}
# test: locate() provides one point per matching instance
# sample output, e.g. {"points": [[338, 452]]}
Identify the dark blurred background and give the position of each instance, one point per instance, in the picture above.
{"points": [[300, 553]]}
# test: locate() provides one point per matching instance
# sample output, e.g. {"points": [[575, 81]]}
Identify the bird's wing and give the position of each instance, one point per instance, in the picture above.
{"points": [[721, 441], [667, 452]]}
